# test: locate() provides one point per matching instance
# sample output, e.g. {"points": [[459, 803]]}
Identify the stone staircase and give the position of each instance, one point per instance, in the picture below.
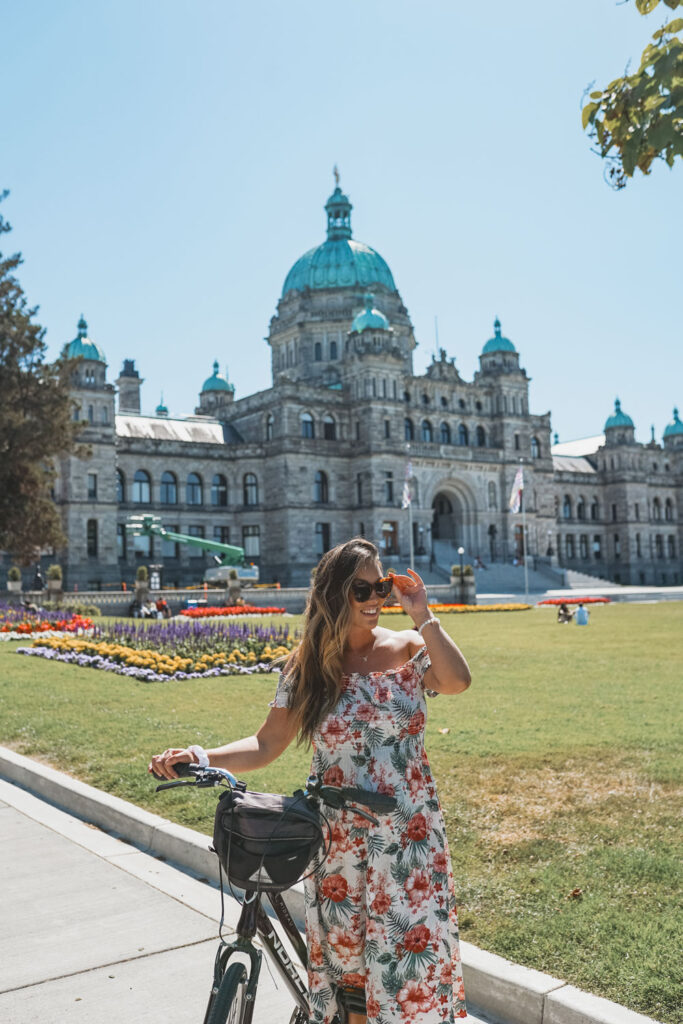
{"points": [[581, 580]]}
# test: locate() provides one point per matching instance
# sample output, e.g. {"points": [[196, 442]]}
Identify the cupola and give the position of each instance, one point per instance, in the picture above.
{"points": [[498, 343], [673, 432], [83, 347], [161, 409], [217, 392], [369, 318], [619, 428], [498, 355]]}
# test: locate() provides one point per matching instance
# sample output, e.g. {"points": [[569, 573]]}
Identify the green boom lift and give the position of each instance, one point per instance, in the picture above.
{"points": [[226, 555]]}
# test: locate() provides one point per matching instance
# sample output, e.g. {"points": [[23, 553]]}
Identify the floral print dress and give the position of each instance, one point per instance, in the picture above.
{"points": [[380, 909]]}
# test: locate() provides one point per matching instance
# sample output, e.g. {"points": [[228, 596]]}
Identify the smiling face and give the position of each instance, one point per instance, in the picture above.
{"points": [[366, 613]]}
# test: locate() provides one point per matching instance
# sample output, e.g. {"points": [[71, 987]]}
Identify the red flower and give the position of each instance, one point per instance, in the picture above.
{"points": [[440, 863], [416, 723], [417, 886], [335, 888], [372, 1006], [334, 776], [381, 903], [416, 829], [353, 980], [415, 997], [417, 939]]}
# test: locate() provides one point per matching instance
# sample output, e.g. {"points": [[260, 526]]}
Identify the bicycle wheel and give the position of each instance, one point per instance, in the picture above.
{"points": [[229, 1002]]}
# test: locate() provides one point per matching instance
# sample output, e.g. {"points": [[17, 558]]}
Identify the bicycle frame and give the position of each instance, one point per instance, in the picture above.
{"points": [[254, 920]]}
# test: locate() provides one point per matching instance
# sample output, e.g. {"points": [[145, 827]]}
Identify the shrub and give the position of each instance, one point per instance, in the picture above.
{"points": [[467, 570], [54, 572], [14, 574], [142, 574], [232, 575]]}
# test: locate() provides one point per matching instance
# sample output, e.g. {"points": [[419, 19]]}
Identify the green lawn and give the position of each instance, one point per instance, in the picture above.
{"points": [[558, 778]]}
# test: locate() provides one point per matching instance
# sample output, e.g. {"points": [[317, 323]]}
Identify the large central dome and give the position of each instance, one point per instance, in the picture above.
{"points": [[340, 262]]}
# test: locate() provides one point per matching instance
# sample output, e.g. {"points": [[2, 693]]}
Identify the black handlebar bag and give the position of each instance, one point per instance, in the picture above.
{"points": [[265, 841]]}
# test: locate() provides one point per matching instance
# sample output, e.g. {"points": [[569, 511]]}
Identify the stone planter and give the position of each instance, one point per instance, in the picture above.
{"points": [[465, 594], [55, 590], [14, 586]]}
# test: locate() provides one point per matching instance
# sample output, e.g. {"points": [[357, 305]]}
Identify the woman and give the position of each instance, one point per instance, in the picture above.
{"points": [[380, 911]]}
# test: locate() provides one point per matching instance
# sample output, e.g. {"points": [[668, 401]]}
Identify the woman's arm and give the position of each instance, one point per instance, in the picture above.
{"points": [[449, 671], [245, 755]]}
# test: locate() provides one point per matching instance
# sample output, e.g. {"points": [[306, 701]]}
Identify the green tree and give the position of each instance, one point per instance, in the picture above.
{"points": [[36, 422], [638, 118]]}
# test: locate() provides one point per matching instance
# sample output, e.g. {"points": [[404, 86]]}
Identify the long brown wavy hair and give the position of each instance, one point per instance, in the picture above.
{"points": [[314, 670]]}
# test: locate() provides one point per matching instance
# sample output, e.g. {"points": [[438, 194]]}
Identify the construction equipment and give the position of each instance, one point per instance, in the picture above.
{"points": [[228, 556]]}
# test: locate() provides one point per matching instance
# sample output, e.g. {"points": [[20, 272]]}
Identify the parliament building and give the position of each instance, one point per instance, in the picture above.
{"points": [[324, 452]]}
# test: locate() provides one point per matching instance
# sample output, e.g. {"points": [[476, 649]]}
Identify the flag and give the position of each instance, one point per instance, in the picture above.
{"points": [[407, 497], [516, 494]]}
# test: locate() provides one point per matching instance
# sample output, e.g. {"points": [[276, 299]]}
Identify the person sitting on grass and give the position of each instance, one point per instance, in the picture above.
{"points": [[563, 613]]}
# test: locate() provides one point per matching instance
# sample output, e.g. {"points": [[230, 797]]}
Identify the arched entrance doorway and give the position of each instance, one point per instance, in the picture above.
{"points": [[447, 519]]}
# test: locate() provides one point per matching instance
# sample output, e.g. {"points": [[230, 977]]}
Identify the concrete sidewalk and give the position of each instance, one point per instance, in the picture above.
{"points": [[94, 930]]}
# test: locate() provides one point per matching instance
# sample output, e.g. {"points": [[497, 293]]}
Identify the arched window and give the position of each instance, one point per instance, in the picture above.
{"points": [[193, 489], [668, 510], [493, 496], [120, 487], [656, 509], [425, 399], [595, 509], [318, 352], [329, 428], [169, 489], [307, 425], [320, 488], [250, 489], [481, 437], [427, 431], [463, 435], [580, 507], [142, 488], [270, 423], [333, 350], [219, 491], [535, 448], [445, 433], [105, 415], [567, 507], [408, 429]]}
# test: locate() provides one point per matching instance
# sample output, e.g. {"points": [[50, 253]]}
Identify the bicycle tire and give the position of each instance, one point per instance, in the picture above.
{"points": [[229, 1002]]}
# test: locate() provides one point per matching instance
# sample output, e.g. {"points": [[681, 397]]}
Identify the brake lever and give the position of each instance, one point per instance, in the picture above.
{"points": [[174, 785], [363, 814]]}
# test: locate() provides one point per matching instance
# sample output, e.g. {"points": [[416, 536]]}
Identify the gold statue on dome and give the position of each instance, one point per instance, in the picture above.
{"points": [[335, 171]]}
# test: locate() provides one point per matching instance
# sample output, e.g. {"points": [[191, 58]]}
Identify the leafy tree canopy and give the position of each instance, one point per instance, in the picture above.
{"points": [[36, 423], [639, 118]]}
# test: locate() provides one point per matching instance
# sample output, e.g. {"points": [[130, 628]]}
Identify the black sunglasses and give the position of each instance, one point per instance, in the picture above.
{"points": [[362, 590]]}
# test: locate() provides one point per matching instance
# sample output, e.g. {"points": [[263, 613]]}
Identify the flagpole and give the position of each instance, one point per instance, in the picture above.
{"points": [[408, 498], [526, 547], [410, 531]]}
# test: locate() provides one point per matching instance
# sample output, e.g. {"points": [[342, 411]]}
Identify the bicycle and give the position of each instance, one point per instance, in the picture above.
{"points": [[233, 993]]}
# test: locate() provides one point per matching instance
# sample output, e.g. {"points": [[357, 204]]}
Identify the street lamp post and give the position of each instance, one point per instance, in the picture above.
{"points": [[461, 552]]}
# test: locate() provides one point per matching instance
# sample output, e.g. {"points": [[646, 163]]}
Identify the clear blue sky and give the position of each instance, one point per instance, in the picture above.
{"points": [[168, 161]]}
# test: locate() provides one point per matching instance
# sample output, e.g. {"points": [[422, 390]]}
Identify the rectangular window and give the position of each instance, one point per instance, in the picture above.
{"points": [[597, 547], [583, 545], [387, 428], [636, 510], [322, 538], [221, 534], [359, 488], [614, 513], [389, 488], [516, 442], [357, 430], [570, 546], [120, 541], [617, 546], [251, 541], [92, 486], [170, 548], [142, 546], [91, 531], [389, 542], [196, 531], [639, 551]]}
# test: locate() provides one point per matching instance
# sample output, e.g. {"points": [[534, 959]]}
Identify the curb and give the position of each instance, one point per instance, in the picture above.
{"points": [[504, 992]]}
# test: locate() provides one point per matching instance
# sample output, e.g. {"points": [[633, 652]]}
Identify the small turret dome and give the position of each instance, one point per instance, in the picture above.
{"points": [[369, 318], [675, 428], [84, 347], [161, 409], [498, 343], [217, 382], [618, 418], [341, 261]]}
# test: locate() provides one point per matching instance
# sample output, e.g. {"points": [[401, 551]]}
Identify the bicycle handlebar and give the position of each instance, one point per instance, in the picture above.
{"points": [[334, 796]]}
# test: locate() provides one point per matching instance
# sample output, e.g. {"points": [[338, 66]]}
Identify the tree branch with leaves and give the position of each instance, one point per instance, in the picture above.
{"points": [[638, 118], [36, 421]]}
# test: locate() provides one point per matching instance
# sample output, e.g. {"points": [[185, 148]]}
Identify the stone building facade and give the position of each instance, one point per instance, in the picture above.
{"points": [[323, 454]]}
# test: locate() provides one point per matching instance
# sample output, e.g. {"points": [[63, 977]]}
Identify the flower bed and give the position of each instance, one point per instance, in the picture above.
{"points": [[575, 600], [159, 652], [236, 609], [18, 623], [459, 608]]}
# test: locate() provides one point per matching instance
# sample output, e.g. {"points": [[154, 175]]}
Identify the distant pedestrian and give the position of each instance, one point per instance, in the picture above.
{"points": [[563, 613], [581, 616]]}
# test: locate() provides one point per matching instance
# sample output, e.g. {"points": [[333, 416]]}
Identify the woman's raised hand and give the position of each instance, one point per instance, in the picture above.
{"points": [[162, 764], [412, 596]]}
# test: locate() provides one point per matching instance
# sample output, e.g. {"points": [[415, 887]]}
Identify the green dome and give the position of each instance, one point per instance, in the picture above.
{"points": [[85, 347], [618, 418], [498, 343], [217, 382], [675, 428], [340, 262], [161, 409], [369, 318]]}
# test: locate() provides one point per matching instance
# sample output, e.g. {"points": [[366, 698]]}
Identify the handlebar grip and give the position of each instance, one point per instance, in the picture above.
{"points": [[375, 801], [183, 770]]}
